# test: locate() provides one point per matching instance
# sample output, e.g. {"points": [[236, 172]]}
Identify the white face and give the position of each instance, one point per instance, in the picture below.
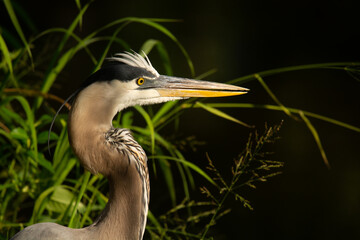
{"points": [[116, 95], [128, 94]]}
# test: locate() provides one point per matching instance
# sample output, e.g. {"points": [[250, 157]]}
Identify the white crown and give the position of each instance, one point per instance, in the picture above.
{"points": [[136, 60]]}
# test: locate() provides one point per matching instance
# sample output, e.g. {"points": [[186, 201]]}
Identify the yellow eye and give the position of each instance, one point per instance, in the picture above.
{"points": [[140, 81]]}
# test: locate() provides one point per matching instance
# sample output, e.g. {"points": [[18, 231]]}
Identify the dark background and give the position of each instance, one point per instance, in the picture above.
{"points": [[239, 38]]}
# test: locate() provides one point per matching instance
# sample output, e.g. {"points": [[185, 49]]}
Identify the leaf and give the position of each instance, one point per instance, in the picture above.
{"points": [[44, 162], [41, 160], [42, 138], [61, 199], [165, 108], [154, 221], [148, 45], [172, 37], [188, 164], [6, 54], [278, 108], [272, 95], [316, 137], [19, 134], [78, 204], [60, 175], [169, 179], [53, 70], [150, 126], [40, 204], [17, 26], [271, 72], [127, 119], [222, 114]]}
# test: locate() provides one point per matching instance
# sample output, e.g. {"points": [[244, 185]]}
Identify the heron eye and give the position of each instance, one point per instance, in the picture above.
{"points": [[140, 81]]}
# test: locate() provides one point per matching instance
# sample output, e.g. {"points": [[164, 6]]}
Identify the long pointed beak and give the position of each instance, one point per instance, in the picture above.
{"points": [[182, 87]]}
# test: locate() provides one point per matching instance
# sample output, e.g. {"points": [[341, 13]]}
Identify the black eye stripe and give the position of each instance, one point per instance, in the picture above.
{"points": [[119, 71]]}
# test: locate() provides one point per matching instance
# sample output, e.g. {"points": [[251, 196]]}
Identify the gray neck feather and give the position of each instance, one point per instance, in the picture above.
{"points": [[125, 214]]}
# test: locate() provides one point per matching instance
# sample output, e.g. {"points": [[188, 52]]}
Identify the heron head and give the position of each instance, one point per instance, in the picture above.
{"points": [[130, 79]]}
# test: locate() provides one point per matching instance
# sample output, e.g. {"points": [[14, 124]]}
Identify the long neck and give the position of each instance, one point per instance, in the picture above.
{"points": [[125, 214]]}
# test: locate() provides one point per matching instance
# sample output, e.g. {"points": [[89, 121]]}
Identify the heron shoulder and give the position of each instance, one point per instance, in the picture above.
{"points": [[48, 231]]}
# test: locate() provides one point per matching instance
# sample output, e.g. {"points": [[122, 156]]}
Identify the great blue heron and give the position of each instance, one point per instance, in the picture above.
{"points": [[129, 79]]}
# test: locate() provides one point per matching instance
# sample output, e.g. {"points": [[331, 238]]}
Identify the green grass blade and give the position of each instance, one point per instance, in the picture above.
{"points": [[40, 204], [272, 95], [17, 26], [152, 23], [165, 59], [169, 179], [187, 170], [316, 137], [29, 120], [107, 48], [78, 5], [221, 114], [150, 126], [154, 221], [206, 74], [51, 73], [165, 108], [64, 30], [278, 108], [271, 72], [85, 181], [61, 175], [148, 46], [188, 164], [5, 51]]}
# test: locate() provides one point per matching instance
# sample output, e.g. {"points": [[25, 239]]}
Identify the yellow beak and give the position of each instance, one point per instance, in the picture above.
{"points": [[182, 87]]}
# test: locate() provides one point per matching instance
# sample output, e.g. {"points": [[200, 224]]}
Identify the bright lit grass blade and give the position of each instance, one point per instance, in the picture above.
{"points": [[165, 108], [165, 166], [148, 46], [6, 54], [17, 26], [188, 164], [107, 48], [316, 137], [186, 168], [52, 70], [95, 193], [61, 147], [169, 179], [221, 114], [152, 22], [165, 59], [278, 108], [85, 181], [63, 172], [170, 35], [73, 35], [251, 77], [150, 126], [272, 95], [78, 4], [40, 204], [206, 74], [154, 221], [29, 121]]}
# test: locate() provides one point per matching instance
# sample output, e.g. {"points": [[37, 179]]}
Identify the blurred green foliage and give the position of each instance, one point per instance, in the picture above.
{"points": [[37, 187]]}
